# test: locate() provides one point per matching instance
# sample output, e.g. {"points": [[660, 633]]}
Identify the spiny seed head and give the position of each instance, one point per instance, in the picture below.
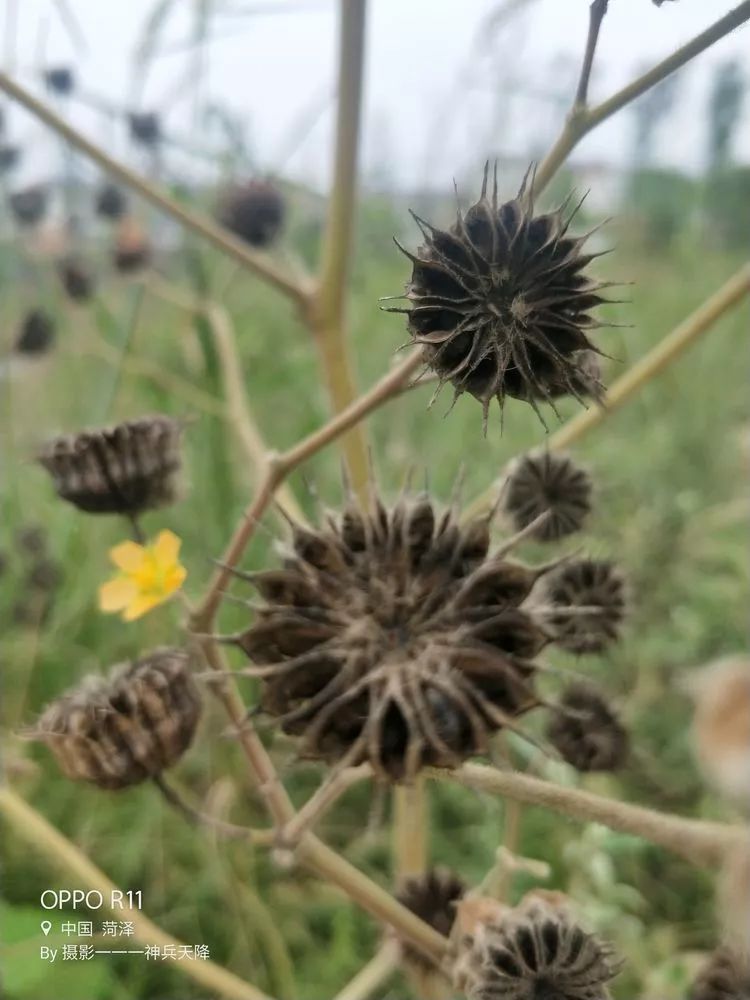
{"points": [[111, 201], [37, 333], [433, 897], [145, 128], [724, 977], [29, 206], [535, 952], [122, 729], [253, 211], [60, 80], [540, 482], [586, 604], [76, 278], [393, 636], [125, 469], [501, 302], [586, 731]]}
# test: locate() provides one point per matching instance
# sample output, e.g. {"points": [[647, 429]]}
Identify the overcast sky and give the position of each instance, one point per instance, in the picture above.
{"points": [[437, 85]]}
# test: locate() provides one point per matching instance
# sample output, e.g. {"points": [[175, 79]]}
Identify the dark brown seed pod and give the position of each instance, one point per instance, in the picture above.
{"points": [[60, 80], [37, 333], [392, 636], [77, 279], [433, 897], [501, 302], [111, 201], [547, 482], [586, 604], [122, 729], [535, 952], [10, 157], [725, 976], [254, 211], [145, 128], [125, 469], [586, 731], [29, 206]]}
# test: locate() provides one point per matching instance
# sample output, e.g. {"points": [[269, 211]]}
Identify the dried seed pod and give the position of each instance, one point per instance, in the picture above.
{"points": [[586, 599], [501, 302], [10, 157], [391, 636], [547, 482], [253, 211], [125, 469], [132, 250], [60, 80], [535, 951], [586, 731], [76, 278], [122, 729], [111, 201], [29, 206], [145, 128], [37, 334], [433, 897], [724, 977]]}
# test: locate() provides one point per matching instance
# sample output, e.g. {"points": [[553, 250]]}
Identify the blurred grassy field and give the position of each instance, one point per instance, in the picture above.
{"points": [[671, 508]]}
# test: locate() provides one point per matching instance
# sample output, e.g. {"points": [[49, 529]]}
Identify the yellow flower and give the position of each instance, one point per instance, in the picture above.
{"points": [[149, 575]]}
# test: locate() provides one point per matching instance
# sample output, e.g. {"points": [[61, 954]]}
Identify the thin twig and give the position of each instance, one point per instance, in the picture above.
{"points": [[597, 12], [321, 801], [648, 367], [372, 976], [261, 838], [34, 830], [581, 121], [328, 313], [296, 287], [699, 841]]}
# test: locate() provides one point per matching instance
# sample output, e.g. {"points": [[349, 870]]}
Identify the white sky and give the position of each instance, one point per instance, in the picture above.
{"points": [[436, 84]]}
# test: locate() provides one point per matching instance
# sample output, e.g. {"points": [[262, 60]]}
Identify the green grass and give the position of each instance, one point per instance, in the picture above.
{"points": [[668, 473]]}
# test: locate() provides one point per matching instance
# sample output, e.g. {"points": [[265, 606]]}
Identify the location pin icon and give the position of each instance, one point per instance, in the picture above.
{"points": [[46, 926]]}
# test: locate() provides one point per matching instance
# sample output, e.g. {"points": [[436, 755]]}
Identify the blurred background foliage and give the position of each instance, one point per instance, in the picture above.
{"points": [[672, 508]]}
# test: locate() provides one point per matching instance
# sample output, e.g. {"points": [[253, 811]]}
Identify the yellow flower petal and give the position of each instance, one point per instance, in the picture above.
{"points": [[117, 594], [127, 556], [166, 549], [141, 604], [174, 579]]}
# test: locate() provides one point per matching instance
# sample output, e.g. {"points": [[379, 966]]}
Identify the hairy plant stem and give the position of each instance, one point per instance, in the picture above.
{"points": [[698, 841], [296, 287], [327, 314], [641, 373], [37, 832], [582, 120]]}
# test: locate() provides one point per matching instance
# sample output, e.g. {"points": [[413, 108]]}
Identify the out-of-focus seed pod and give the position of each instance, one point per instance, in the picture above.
{"points": [[37, 334], [125, 469], [10, 157], [145, 128], [547, 482], [724, 977], [77, 279], [29, 206], [132, 249], [60, 80], [125, 728], [586, 604], [111, 201], [586, 732], [253, 211]]}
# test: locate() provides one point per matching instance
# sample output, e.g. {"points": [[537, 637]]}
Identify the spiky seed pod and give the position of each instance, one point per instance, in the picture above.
{"points": [[60, 80], [122, 729], [586, 604], [536, 952], [724, 977], [145, 128], [391, 636], [586, 731], [29, 206], [9, 157], [37, 333], [501, 302], [111, 201], [125, 469], [77, 279], [254, 211], [433, 897], [551, 483]]}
